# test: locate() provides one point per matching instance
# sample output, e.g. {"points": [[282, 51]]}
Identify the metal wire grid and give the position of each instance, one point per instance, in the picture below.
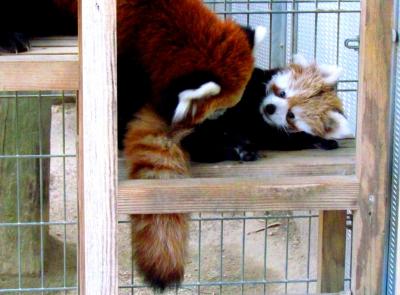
{"points": [[215, 267], [393, 259], [51, 265], [220, 262], [290, 17], [317, 29]]}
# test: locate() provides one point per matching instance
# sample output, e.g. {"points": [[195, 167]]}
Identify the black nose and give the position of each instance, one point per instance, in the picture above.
{"points": [[270, 109]]}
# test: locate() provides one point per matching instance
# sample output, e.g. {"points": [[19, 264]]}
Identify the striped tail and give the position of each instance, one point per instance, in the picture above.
{"points": [[159, 240]]}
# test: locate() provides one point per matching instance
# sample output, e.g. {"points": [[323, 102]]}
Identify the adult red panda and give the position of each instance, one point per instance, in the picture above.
{"points": [[194, 63]]}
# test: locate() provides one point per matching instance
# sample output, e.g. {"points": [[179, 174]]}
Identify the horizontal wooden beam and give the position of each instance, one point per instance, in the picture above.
{"points": [[311, 162], [39, 73], [238, 194], [336, 293], [51, 64]]}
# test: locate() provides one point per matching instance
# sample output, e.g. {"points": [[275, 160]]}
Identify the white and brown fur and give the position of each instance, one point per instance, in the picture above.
{"points": [[291, 108], [310, 103]]}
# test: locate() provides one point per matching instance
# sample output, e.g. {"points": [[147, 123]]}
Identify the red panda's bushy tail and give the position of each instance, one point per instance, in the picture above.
{"points": [[159, 246], [159, 240]]}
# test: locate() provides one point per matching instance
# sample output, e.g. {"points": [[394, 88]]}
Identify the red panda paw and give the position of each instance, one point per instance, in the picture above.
{"points": [[159, 246], [14, 42]]}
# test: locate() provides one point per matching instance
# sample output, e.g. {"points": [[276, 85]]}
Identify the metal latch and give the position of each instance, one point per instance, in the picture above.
{"points": [[352, 43], [395, 36]]}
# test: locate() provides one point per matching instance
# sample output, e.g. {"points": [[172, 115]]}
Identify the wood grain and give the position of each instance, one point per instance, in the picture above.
{"points": [[331, 251], [295, 163], [98, 273], [39, 72], [237, 194], [373, 146]]}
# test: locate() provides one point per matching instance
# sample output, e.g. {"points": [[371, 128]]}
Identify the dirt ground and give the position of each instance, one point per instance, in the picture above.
{"points": [[276, 234]]}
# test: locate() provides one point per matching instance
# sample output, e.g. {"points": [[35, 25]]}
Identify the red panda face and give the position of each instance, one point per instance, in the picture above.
{"points": [[302, 98]]}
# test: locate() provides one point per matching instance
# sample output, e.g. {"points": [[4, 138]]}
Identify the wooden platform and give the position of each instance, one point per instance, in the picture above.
{"points": [[298, 180], [51, 64], [309, 179]]}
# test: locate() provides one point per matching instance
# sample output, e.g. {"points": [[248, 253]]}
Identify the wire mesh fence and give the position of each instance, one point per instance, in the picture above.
{"points": [[393, 259], [38, 222], [243, 253], [247, 253]]}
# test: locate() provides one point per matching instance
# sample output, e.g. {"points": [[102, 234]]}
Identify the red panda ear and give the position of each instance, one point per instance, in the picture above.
{"points": [[186, 96], [255, 37], [337, 126], [330, 73], [300, 60], [260, 34]]}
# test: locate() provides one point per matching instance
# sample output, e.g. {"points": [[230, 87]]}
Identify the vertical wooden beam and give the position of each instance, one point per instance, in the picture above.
{"points": [[332, 251], [373, 146], [97, 149]]}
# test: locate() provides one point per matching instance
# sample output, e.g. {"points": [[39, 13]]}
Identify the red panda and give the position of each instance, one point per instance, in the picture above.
{"points": [[292, 108], [302, 98], [196, 64], [183, 42]]}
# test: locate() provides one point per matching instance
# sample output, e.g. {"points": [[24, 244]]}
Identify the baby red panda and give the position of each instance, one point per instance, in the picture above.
{"points": [[302, 98], [284, 109]]}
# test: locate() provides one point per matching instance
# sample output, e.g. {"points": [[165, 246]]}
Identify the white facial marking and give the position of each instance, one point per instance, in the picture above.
{"points": [[330, 73], [298, 122], [185, 97], [282, 81], [342, 129], [278, 118]]}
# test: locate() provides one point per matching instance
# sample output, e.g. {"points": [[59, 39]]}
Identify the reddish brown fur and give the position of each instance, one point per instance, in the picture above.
{"points": [[69, 5], [173, 40], [159, 241]]}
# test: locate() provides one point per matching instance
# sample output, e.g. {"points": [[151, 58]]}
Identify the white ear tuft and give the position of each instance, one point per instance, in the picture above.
{"points": [[300, 60], [342, 127], [330, 73], [185, 98], [259, 35]]}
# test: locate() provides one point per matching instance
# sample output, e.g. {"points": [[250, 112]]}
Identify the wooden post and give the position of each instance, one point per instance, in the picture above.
{"points": [[24, 183], [332, 251], [373, 146], [97, 154]]}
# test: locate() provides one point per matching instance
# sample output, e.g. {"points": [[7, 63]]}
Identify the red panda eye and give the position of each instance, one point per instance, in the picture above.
{"points": [[290, 115], [282, 94]]}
